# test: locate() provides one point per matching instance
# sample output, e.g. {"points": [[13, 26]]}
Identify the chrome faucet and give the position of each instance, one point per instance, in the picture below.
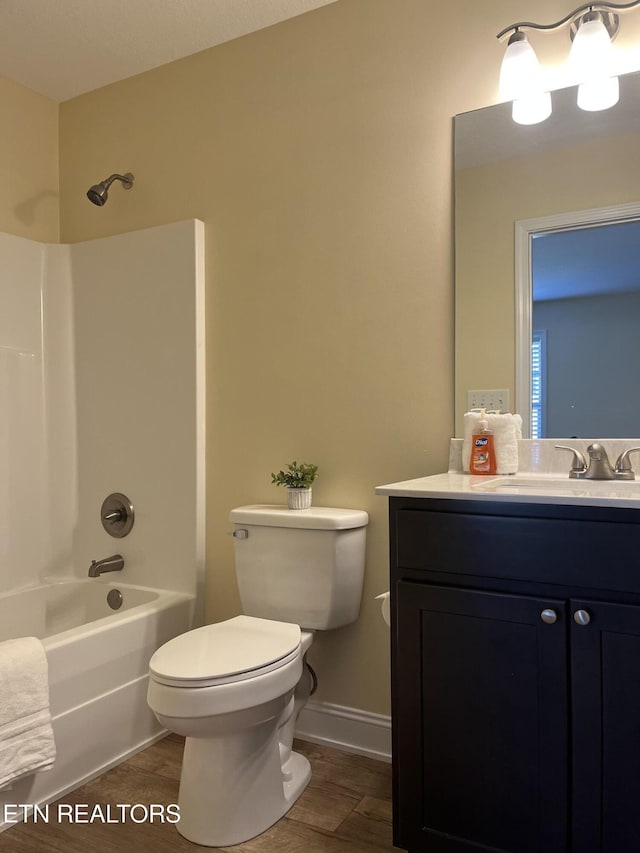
{"points": [[109, 564], [599, 467], [624, 471]]}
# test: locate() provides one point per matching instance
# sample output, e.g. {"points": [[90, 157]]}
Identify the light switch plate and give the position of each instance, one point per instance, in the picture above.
{"points": [[491, 399]]}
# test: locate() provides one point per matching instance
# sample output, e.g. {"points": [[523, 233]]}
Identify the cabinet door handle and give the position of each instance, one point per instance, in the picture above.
{"points": [[549, 616], [581, 617]]}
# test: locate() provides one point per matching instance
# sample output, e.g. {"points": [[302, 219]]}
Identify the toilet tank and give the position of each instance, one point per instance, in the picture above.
{"points": [[303, 566]]}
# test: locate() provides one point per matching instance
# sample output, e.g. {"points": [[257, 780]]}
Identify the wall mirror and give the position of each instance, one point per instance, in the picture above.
{"points": [[547, 221]]}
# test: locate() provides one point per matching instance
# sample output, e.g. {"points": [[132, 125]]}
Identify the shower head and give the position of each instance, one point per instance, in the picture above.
{"points": [[99, 193]]}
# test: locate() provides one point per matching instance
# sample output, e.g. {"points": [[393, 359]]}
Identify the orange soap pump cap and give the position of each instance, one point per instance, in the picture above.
{"points": [[483, 454]]}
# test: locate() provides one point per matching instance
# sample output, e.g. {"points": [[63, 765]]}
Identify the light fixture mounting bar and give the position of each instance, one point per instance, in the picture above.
{"points": [[568, 19]]}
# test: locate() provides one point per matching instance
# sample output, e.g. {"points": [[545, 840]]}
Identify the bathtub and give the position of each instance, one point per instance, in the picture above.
{"points": [[98, 664]]}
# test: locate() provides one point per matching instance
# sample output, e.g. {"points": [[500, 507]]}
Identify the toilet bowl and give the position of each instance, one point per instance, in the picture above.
{"points": [[234, 689]]}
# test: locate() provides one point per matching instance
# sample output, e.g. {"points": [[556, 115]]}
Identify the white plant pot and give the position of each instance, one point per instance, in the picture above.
{"points": [[299, 498]]}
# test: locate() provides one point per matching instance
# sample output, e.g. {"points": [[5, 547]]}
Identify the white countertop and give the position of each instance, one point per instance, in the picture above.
{"points": [[543, 477], [519, 488]]}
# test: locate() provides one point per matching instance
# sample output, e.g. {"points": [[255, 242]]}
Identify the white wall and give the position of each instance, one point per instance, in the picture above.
{"points": [[593, 349], [102, 390]]}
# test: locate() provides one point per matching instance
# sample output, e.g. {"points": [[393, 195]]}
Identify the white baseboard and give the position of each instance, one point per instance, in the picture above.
{"points": [[348, 729]]}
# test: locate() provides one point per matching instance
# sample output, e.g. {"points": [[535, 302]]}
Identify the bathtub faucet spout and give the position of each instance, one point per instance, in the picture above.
{"points": [[109, 564]]}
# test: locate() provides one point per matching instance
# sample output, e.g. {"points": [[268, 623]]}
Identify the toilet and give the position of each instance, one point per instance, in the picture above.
{"points": [[235, 689]]}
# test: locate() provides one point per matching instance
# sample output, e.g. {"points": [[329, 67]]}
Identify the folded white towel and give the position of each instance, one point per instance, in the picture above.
{"points": [[26, 735], [507, 429]]}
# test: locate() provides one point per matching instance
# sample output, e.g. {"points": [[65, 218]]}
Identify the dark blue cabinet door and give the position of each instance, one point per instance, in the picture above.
{"points": [[605, 673], [480, 721]]}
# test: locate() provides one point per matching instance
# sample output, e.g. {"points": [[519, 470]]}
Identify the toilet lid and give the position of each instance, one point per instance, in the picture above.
{"points": [[238, 648]]}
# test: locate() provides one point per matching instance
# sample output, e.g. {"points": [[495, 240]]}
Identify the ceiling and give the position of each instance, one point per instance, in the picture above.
{"points": [[62, 48]]}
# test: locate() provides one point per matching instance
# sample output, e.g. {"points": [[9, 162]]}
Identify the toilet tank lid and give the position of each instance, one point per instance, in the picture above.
{"points": [[314, 518]]}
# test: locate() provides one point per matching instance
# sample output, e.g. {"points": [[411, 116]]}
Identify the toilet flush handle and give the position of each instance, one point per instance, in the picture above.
{"points": [[240, 533]]}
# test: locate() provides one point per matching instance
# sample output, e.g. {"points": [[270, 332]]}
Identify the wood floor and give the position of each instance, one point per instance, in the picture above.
{"points": [[345, 809]]}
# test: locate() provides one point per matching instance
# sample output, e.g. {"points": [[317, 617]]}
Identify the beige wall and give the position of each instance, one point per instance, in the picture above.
{"points": [[489, 200], [29, 204], [318, 153]]}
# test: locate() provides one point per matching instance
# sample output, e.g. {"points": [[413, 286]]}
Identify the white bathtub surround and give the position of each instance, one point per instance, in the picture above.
{"points": [[22, 410], [101, 390], [26, 737], [95, 338], [140, 400]]}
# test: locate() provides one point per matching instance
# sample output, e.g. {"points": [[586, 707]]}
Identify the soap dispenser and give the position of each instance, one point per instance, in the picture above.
{"points": [[483, 452]]}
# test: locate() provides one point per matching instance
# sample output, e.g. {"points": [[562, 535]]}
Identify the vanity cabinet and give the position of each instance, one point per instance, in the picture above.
{"points": [[515, 677]]}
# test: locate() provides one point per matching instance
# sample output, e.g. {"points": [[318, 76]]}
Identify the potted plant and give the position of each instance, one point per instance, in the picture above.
{"points": [[298, 480]]}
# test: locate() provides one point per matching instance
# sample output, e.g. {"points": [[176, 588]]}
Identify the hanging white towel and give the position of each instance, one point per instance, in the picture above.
{"points": [[26, 735]]}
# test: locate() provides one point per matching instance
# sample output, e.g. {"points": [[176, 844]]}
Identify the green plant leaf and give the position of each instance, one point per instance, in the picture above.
{"points": [[297, 476]]}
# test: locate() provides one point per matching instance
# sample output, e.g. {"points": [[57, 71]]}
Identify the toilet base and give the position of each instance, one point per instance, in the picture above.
{"points": [[297, 773], [236, 827], [235, 786]]}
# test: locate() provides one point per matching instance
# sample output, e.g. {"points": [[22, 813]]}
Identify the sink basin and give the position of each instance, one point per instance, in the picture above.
{"points": [[560, 486]]}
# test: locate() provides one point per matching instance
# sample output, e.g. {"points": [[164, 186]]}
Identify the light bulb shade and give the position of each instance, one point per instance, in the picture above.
{"points": [[590, 54], [590, 59], [520, 74], [598, 94], [521, 82], [532, 109]]}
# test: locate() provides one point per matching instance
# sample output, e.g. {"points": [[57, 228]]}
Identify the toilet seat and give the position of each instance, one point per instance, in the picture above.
{"points": [[235, 650]]}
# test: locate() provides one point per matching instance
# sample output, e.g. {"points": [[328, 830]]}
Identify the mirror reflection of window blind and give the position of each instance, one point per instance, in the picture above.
{"points": [[538, 383]]}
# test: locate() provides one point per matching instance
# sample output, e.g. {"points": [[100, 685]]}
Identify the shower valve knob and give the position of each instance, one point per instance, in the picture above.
{"points": [[116, 515], [113, 516]]}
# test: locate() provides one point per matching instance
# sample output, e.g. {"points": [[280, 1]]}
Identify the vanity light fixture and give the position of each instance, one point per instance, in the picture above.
{"points": [[590, 60], [521, 82], [592, 28]]}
